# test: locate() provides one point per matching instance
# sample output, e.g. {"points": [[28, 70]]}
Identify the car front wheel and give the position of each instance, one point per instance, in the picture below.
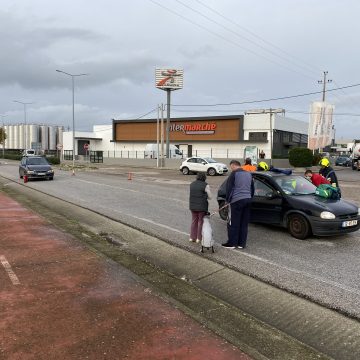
{"points": [[185, 170], [298, 226], [223, 210], [211, 172]]}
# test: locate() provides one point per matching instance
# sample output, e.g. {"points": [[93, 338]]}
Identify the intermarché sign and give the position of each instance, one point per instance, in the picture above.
{"points": [[194, 129]]}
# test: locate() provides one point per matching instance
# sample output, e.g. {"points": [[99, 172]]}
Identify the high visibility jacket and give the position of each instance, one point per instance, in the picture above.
{"points": [[249, 167]]}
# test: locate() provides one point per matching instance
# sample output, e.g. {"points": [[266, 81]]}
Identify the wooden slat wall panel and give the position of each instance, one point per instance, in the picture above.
{"points": [[226, 130]]}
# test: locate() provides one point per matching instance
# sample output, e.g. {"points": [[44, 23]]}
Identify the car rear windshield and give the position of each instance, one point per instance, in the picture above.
{"points": [[295, 185], [37, 161]]}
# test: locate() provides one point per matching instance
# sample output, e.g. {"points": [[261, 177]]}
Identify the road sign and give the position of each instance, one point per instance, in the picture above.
{"points": [[86, 146]]}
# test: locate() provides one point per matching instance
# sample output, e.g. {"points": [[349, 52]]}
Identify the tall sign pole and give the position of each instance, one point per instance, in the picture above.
{"points": [[168, 80], [157, 136], [168, 92]]}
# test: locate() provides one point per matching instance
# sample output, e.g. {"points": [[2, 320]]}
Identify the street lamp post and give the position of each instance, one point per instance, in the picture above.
{"points": [[73, 111], [24, 103], [3, 134]]}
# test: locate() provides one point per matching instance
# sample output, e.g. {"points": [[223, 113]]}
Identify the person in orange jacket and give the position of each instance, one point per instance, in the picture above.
{"points": [[248, 166]]}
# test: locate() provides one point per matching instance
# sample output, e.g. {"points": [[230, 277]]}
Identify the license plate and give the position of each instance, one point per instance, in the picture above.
{"points": [[41, 174], [349, 223]]}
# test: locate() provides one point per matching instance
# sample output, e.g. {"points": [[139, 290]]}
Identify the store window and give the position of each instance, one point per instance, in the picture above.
{"points": [[258, 136]]}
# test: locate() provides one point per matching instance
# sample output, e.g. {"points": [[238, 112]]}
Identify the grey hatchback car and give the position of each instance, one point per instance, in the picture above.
{"points": [[35, 167]]}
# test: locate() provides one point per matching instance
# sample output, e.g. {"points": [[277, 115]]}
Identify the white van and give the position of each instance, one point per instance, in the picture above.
{"points": [[151, 151], [29, 152]]}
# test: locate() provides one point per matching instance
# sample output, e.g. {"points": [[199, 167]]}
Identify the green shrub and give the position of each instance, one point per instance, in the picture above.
{"points": [[13, 156], [300, 157], [53, 160], [316, 159]]}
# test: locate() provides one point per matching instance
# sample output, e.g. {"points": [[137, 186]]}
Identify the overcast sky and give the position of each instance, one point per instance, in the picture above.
{"points": [[232, 51]]}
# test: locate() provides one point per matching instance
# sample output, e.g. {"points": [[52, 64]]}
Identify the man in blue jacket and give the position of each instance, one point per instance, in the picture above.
{"points": [[239, 191]]}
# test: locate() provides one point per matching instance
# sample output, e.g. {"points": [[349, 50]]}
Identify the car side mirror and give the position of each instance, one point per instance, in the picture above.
{"points": [[272, 195], [204, 163]]}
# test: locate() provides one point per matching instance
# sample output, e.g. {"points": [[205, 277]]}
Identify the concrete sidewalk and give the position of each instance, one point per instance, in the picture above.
{"points": [[59, 300]]}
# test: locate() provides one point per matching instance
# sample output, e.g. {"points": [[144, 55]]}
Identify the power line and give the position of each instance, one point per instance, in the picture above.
{"points": [[244, 37], [228, 40], [267, 100], [151, 111], [309, 66]]}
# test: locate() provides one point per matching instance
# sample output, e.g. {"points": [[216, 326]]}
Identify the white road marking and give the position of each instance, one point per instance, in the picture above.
{"points": [[161, 225], [325, 281], [14, 279], [132, 190]]}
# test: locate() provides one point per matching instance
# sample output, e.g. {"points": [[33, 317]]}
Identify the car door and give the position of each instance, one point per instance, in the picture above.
{"points": [[266, 206], [192, 164], [202, 165]]}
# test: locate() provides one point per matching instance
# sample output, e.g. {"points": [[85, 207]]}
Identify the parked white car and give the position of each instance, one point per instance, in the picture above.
{"points": [[197, 164]]}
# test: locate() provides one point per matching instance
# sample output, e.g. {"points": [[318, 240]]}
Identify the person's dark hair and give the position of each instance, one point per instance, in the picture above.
{"points": [[308, 172], [201, 176], [247, 161], [235, 162]]}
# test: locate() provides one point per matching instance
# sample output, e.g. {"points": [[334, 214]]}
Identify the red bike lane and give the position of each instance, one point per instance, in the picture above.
{"points": [[60, 300]]}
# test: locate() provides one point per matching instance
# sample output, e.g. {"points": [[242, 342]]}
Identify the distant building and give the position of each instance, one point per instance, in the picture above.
{"points": [[32, 136], [215, 136]]}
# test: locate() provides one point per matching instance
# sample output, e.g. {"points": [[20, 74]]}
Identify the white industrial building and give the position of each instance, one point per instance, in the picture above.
{"points": [[32, 136]]}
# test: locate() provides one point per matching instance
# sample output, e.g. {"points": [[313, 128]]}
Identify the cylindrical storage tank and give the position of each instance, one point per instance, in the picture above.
{"points": [[10, 137], [52, 138], [60, 131], [33, 135], [20, 143], [44, 137], [27, 143], [16, 136]]}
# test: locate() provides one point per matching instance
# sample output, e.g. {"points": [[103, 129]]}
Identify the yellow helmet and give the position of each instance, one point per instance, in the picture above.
{"points": [[324, 162], [263, 166]]}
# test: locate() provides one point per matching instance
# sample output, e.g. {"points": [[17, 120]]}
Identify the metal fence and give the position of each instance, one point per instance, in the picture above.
{"points": [[213, 153]]}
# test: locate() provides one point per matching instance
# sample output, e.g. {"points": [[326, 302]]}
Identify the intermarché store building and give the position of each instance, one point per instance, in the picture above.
{"points": [[215, 136]]}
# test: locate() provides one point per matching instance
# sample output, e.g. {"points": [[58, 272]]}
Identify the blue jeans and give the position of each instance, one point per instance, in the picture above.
{"points": [[240, 217]]}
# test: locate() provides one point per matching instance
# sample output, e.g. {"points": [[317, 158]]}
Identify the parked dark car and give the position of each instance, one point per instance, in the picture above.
{"points": [[343, 161], [289, 201], [35, 167]]}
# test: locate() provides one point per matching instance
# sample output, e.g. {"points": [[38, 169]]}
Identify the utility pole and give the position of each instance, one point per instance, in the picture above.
{"points": [[324, 82], [271, 112]]}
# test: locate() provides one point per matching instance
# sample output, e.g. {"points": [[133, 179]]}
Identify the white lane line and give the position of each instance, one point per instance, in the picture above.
{"points": [[161, 225], [314, 277], [14, 279], [132, 190], [150, 221]]}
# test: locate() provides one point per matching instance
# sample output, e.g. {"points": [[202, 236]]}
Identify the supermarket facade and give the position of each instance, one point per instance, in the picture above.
{"points": [[215, 136]]}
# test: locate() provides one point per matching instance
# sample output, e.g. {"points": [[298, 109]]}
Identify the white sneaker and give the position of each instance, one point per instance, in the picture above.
{"points": [[198, 241], [191, 240]]}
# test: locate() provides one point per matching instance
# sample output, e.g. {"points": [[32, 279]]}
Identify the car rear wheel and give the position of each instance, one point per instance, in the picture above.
{"points": [[185, 170], [211, 172], [298, 226], [224, 213]]}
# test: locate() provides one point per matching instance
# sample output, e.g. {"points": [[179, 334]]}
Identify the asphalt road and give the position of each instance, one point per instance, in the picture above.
{"points": [[323, 269]]}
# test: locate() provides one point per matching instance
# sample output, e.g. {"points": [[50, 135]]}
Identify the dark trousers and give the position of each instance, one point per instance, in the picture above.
{"points": [[196, 224], [240, 217]]}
